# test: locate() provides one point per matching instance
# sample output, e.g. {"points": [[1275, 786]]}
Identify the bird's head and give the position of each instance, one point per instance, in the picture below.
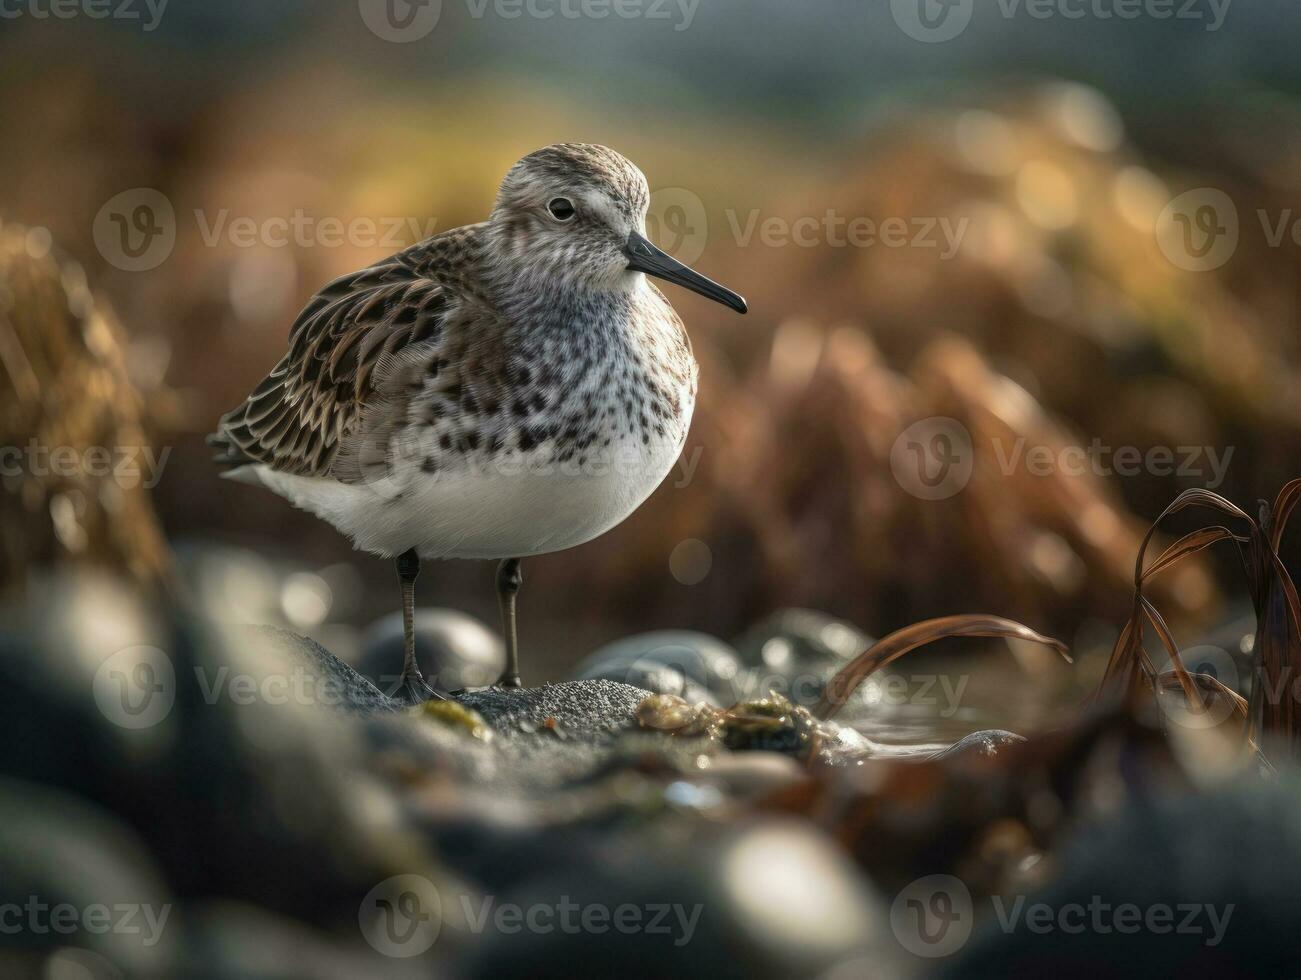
{"points": [[575, 214]]}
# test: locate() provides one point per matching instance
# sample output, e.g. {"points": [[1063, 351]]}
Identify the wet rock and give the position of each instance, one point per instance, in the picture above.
{"points": [[772, 900], [330, 681], [693, 666], [412, 748], [67, 869], [593, 710], [548, 736], [232, 941], [674, 716], [791, 641], [751, 774], [219, 758], [1199, 876], [771, 724], [659, 678], [454, 651], [456, 716], [982, 744]]}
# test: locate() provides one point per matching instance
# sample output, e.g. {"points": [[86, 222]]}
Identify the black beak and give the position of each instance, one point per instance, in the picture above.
{"points": [[645, 257]]}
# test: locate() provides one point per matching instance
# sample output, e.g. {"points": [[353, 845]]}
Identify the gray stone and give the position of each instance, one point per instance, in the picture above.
{"points": [[236, 778], [58, 850], [333, 683], [793, 640], [587, 709], [453, 651], [768, 899], [693, 666]]}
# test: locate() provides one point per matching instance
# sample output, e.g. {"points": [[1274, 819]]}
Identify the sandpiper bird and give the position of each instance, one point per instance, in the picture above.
{"points": [[506, 389]]}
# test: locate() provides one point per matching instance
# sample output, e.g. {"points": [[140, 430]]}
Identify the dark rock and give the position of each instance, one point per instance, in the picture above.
{"points": [[551, 736], [795, 652], [593, 710], [233, 941], [794, 640], [654, 677], [693, 666], [334, 683], [453, 651], [752, 774], [771, 900], [58, 852], [217, 757], [1224, 850]]}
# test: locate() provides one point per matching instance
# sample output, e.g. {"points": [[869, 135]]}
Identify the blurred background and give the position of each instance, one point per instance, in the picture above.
{"points": [[1019, 273], [963, 240]]}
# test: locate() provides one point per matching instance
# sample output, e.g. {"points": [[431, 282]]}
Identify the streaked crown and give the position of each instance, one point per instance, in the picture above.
{"points": [[568, 167]]}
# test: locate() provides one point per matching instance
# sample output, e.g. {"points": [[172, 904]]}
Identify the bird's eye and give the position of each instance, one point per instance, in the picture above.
{"points": [[561, 208]]}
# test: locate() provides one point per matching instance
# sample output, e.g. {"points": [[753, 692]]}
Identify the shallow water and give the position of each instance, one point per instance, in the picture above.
{"points": [[919, 712]]}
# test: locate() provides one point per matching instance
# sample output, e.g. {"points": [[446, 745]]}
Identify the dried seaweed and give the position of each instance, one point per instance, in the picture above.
{"points": [[900, 642], [1273, 709]]}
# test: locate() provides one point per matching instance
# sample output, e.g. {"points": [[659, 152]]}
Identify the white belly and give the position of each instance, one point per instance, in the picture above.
{"points": [[508, 509]]}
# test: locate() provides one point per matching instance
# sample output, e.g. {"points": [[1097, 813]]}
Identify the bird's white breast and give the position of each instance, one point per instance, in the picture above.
{"points": [[512, 506]]}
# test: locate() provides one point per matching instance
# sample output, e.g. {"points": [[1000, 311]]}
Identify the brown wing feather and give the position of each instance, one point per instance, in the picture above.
{"points": [[297, 418]]}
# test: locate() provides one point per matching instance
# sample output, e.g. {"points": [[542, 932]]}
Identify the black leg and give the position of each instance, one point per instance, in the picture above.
{"points": [[509, 580], [412, 689]]}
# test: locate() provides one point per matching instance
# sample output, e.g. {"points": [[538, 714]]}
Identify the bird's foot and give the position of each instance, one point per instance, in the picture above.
{"points": [[506, 684], [412, 690]]}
